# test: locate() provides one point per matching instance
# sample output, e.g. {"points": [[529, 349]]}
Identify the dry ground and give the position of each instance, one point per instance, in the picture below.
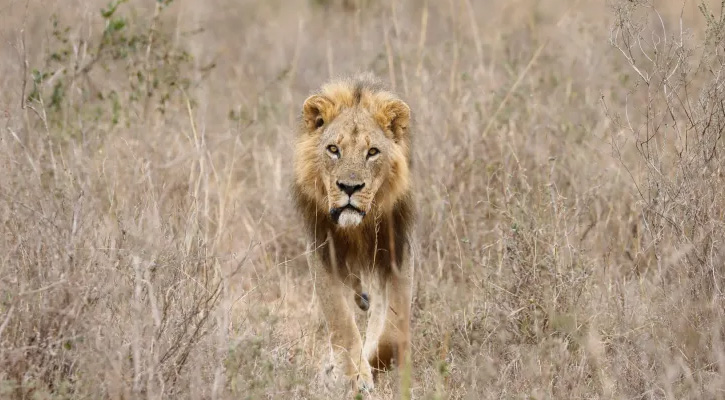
{"points": [[571, 196]]}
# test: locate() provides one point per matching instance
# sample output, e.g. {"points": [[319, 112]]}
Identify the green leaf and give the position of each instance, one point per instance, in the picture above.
{"points": [[116, 25], [112, 7]]}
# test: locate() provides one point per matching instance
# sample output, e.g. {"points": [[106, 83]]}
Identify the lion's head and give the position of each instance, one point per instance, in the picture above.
{"points": [[353, 150]]}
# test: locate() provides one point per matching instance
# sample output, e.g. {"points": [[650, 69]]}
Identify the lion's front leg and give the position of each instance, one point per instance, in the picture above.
{"points": [[344, 336], [393, 345], [376, 319]]}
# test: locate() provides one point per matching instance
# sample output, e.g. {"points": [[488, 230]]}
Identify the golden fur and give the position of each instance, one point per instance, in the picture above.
{"points": [[352, 187]]}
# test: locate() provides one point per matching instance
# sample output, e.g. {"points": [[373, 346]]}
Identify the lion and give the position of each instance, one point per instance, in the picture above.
{"points": [[352, 187]]}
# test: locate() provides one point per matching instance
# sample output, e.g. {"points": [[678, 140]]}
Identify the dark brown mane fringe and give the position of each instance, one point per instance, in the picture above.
{"points": [[390, 234]]}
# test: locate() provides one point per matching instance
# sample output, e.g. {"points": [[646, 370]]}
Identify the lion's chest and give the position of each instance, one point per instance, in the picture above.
{"points": [[370, 251]]}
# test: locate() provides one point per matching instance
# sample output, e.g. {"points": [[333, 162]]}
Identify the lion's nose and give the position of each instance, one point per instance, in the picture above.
{"points": [[349, 189]]}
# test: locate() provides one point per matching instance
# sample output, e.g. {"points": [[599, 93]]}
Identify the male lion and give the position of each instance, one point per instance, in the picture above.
{"points": [[352, 186]]}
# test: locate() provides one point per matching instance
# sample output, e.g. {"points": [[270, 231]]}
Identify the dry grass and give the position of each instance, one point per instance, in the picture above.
{"points": [[572, 196]]}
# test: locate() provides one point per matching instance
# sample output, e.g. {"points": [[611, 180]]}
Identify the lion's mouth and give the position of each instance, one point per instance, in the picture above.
{"points": [[351, 215]]}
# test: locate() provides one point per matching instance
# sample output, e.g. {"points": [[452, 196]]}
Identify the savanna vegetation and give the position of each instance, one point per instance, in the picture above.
{"points": [[569, 165]]}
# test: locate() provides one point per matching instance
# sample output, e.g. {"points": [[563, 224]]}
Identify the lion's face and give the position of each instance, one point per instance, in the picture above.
{"points": [[356, 158], [352, 156]]}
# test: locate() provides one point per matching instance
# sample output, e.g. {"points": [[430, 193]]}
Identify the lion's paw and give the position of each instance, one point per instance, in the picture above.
{"points": [[362, 382], [333, 380], [364, 385]]}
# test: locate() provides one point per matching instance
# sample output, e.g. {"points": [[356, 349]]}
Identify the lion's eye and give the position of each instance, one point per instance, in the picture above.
{"points": [[373, 152], [333, 149]]}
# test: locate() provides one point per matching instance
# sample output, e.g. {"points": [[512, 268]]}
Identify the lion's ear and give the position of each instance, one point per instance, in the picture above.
{"points": [[316, 112], [394, 117]]}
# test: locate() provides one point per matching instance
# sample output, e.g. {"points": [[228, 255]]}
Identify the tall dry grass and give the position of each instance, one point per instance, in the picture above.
{"points": [[569, 171]]}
